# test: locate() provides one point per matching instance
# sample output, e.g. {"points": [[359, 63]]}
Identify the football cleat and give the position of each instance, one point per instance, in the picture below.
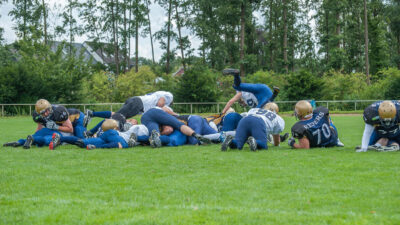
{"points": [[390, 148], [374, 147], [227, 142], [339, 143], [222, 137], [88, 117], [55, 141], [284, 137], [28, 143], [252, 143], [154, 139], [12, 144], [79, 143], [202, 139], [231, 71], [132, 142], [90, 147], [276, 90]]}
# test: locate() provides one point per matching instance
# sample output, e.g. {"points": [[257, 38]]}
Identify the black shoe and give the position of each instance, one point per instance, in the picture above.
{"points": [[28, 142], [132, 142], [88, 117], [12, 144], [230, 71], [202, 139], [252, 143], [284, 137], [79, 143], [154, 139], [87, 134], [227, 142], [55, 141]]}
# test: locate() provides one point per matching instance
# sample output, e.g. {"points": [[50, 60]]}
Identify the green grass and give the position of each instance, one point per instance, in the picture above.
{"points": [[198, 184]]}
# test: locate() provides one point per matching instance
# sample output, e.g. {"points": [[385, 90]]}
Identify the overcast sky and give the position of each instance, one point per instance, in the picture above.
{"points": [[157, 17]]}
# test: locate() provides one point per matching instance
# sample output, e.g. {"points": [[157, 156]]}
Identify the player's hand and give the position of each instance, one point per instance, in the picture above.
{"points": [[291, 141], [51, 125]]}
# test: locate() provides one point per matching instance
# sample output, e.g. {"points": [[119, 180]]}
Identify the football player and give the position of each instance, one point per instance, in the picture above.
{"points": [[141, 104], [77, 118], [156, 117], [381, 130], [315, 128], [254, 129], [50, 119], [252, 95]]}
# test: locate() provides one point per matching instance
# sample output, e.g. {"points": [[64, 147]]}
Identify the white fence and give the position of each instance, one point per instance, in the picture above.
{"points": [[190, 107]]}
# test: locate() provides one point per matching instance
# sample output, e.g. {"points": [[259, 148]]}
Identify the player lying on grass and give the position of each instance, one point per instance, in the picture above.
{"points": [[252, 95], [77, 118], [315, 128], [254, 129], [50, 119], [122, 123], [137, 105], [381, 130], [111, 137], [156, 117]]}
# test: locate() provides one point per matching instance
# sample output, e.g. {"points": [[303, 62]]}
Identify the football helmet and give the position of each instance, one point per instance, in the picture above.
{"points": [[387, 113], [109, 124], [272, 106], [303, 110], [42, 105]]}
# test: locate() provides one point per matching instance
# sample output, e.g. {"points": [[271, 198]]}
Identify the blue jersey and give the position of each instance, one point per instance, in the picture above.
{"points": [[317, 130], [371, 117]]}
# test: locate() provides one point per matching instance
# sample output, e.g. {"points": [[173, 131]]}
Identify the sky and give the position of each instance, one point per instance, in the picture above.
{"points": [[157, 17]]}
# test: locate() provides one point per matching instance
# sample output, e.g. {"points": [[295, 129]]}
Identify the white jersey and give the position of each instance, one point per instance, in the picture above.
{"points": [[139, 130], [149, 101], [250, 99], [166, 95], [274, 123]]}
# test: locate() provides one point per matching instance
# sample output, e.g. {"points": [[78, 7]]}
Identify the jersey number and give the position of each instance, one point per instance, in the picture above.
{"points": [[270, 115], [250, 102], [325, 131]]}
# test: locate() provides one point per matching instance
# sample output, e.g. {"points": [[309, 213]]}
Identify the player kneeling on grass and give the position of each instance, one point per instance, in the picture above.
{"points": [[254, 129], [315, 128], [382, 131], [51, 119]]}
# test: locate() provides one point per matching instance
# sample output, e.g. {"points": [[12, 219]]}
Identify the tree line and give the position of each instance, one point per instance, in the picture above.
{"points": [[279, 36]]}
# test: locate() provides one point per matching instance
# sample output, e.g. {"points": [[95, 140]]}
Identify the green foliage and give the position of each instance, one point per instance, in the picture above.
{"points": [[99, 87], [338, 86], [303, 85], [271, 79], [390, 84], [134, 84], [197, 84]]}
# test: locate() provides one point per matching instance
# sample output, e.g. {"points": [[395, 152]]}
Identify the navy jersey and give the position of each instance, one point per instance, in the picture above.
{"points": [[317, 129], [371, 117], [59, 115]]}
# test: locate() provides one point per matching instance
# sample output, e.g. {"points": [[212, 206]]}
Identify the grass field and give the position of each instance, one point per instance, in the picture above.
{"points": [[198, 184]]}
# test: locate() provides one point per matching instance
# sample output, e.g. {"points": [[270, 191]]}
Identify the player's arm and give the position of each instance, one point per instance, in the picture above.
{"points": [[39, 126], [169, 111], [277, 139], [66, 127], [303, 143], [366, 137], [231, 101]]}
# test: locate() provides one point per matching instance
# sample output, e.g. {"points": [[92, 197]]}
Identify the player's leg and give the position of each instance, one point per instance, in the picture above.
{"points": [[231, 121], [259, 133], [92, 131], [243, 131], [79, 128], [132, 107], [195, 122]]}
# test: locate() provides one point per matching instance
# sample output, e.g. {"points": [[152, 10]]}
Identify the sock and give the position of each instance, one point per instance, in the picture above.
{"points": [[102, 114]]}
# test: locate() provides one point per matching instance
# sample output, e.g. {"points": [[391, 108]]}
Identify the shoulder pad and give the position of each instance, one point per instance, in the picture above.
{"points": [[298, 130], [322, 109], [60, 113], [371, 115]]}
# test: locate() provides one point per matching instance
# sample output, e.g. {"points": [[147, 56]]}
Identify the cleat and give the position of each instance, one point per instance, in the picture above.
{"points": [[28, 142], [12, 144], [222, 137], [90, 147], [340, 144], [227, 142], [284, 137], [389, 148], [202, 139], [154, 139], [55, 141], [252, 143], [358, 147], [374, 147], [231, 71], [87, 134], [80, 143], [132, 142], [88, 117], [276, 90]]}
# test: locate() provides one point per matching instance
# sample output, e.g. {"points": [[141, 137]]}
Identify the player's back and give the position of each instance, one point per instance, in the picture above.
{"points": [[317, 129], [274, 123]]}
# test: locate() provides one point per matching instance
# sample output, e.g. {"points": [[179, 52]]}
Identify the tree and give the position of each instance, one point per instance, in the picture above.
{"points": [[366, 42]]}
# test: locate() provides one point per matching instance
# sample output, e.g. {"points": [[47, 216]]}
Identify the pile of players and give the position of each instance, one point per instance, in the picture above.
{"points": [[161, 126]]}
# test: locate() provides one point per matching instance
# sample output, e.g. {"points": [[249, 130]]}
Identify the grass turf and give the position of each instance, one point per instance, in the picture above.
{"points": [[198, 184]]}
